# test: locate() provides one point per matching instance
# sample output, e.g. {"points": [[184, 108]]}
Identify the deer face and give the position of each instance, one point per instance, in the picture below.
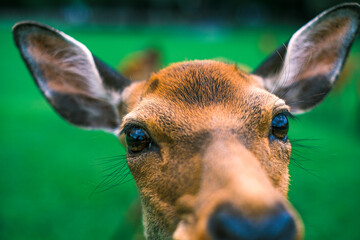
{"points": [[207, 143], [201, 142]]}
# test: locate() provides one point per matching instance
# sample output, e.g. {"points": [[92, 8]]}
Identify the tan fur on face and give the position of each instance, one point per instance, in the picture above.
{"points": [[211, 125]]}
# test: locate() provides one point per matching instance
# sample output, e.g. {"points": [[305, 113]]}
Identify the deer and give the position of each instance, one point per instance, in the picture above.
{"points": [[207, 143]]}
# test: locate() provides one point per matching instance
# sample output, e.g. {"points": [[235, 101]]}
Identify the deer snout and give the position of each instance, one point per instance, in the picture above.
{"points": [[229, 223]]}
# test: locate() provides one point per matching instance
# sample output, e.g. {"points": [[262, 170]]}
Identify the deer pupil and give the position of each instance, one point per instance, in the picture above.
{"points": [[137, 140], [280, 127]]}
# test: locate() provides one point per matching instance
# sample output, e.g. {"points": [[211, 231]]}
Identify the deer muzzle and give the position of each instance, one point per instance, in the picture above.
{"points": [[236, 200]]}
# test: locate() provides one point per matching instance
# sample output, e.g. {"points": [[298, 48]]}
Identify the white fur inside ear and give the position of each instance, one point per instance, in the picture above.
{"points": [[302, 47], [81, 63]]}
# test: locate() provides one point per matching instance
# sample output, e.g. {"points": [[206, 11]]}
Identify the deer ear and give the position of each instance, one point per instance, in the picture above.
{"points": [[81, 88], [303, 71]]}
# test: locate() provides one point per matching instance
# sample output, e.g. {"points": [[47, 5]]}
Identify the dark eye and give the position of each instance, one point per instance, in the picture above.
{"points": [[137, 139], [280, 127]]}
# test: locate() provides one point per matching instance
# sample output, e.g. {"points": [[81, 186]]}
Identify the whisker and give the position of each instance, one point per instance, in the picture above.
{"points": [[116, 157], [298, 158], [310, 172], [120, 182], [116, 173], [112, 166], [299, 143]]}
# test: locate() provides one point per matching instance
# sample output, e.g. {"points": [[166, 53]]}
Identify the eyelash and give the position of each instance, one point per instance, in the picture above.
{"points": [[286, 113]]}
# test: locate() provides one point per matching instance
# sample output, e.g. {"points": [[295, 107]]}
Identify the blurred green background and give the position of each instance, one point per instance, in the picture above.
{"points": [[49, 169]]}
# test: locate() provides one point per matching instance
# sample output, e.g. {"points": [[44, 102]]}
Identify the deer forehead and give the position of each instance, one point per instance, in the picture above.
{"points": [[190, 97], [198, 82]]}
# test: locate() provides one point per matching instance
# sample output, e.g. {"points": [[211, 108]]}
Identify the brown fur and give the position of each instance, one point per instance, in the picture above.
{"points": [[219, 119]]}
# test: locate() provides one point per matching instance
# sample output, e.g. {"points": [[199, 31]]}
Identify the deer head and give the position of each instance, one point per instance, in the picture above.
{"points": [[206, 142]]}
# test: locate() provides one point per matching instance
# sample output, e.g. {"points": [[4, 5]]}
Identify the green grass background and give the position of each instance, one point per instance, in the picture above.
{"points": [[49, 168]]}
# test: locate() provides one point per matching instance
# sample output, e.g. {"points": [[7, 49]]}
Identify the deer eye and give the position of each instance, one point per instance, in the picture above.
{"points": [[280, 127], [137, 139]]}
